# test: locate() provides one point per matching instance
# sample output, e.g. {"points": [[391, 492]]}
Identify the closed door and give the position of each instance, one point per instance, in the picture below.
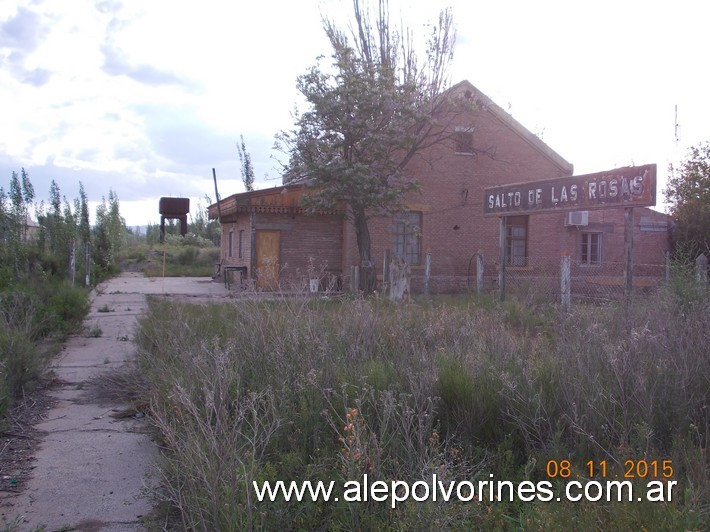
{"points": [[268, 244]]}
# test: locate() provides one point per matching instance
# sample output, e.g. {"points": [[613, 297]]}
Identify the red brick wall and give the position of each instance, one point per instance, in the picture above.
{"points": [[309, 245], [236, 223], [453, 225], [451, 200]]}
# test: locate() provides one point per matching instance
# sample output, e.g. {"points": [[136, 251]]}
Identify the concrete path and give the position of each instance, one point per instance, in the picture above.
{"points": [[92, 471]]}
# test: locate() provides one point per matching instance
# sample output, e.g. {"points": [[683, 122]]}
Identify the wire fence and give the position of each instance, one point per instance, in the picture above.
{"points": [[547, 278], [541, 278]]}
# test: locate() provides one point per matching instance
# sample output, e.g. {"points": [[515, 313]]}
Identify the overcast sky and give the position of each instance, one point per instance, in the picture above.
{"points": [[147, 96]]}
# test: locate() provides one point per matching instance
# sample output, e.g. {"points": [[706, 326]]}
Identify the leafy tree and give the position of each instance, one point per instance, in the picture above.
{"points": [[81, 207], [5, 229], [109, 233], [688, 192], [201, 226], [4, 215], [14, 221], [246, 166], [58, 230], [14, 211], [16, 200], [55, 199], [82, 231], [28, 194], [28, 191], [370, 111]]}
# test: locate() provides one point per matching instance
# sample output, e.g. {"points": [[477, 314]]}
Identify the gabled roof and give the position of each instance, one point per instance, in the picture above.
{"points": [[485, 104]]}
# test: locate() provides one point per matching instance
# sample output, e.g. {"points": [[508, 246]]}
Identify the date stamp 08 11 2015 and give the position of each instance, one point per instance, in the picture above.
{"points": [[656, 473], [632, 469]]}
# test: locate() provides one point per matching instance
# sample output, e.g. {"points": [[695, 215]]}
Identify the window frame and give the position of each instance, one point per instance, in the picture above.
{"points": [[586, 248], [516, 241], [230, 244], [463, 140], [407, 237], [240, 248]]}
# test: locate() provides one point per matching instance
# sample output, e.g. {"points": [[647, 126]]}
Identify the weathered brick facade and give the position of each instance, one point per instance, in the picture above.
{"points": [[450, 213]]}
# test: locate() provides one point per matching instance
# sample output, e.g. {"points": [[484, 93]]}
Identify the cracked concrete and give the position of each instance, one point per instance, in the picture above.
{"points": [[92, 471]]}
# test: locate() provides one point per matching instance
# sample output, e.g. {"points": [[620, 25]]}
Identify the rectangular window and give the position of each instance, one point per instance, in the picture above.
{"points": [[231, 244], [463, 136], [591, 248], [406, 236], [516, 237], [241, 244]]}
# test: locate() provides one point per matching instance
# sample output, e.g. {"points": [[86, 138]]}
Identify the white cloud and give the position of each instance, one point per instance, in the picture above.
{"points": [[147, 97]]}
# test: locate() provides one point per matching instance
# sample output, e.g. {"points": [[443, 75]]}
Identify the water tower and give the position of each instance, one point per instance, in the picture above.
{"points": [[174, 208]]}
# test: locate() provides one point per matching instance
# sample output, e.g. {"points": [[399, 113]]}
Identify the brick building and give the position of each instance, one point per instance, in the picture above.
{"points": [[269, 234]]}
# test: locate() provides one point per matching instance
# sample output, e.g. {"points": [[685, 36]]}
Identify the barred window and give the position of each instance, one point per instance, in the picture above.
{"points": [[406, 236]]}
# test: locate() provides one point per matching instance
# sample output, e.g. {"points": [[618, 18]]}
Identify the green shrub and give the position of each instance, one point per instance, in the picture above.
{"points": [[181, 260], [21, 362], [70, 305], [187, 255], [30, 312]]}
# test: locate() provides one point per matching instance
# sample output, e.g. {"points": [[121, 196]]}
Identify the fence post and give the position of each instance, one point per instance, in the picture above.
{"points": [[566, 281], [701, 271], [479, 272], [87, 258], [628, 253], [668, 267], [386, 272], [354, 279], [427, 273]]}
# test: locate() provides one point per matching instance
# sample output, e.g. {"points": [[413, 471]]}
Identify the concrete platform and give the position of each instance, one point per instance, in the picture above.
{"points": [[92, 472]]}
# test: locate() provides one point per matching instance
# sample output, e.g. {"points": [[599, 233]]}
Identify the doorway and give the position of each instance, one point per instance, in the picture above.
{"points": [[267, 249]]}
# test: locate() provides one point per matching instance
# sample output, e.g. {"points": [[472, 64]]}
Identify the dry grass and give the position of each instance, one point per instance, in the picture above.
{"points": [[263, 390]]}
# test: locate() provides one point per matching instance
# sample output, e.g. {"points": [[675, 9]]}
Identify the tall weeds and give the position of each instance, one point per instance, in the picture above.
{"points": [[330, 390], [30, 313]]}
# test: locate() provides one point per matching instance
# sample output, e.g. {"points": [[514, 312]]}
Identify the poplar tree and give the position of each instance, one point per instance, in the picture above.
{"points": [[109, 232], [246, 167]]}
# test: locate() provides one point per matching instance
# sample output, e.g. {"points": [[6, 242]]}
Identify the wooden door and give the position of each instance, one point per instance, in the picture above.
{"points": [[267, 247]]}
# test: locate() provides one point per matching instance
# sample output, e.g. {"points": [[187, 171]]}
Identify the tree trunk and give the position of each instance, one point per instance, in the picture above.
{"points": [[367, 266]]}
